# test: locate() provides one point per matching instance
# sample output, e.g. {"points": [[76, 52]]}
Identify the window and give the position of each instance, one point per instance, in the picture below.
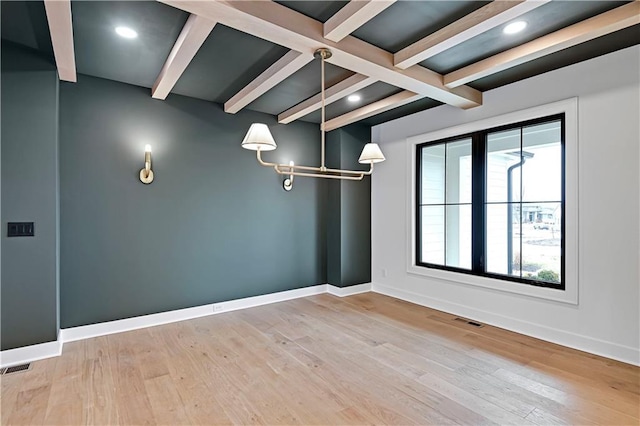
{"points": [[491, 203]]}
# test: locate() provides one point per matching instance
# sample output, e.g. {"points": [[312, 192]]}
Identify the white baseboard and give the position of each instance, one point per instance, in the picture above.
{"points": [[603, 348], [51, 349], [348, 291], [151, 320], [30, 353], [588, 344]]}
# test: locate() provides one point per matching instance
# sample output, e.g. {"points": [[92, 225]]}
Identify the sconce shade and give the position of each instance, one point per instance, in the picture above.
{"points": [[259, 137], [371, 153]]}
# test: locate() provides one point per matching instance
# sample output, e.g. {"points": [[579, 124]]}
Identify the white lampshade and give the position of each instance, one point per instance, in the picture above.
{"points": [[259, 137], [371, 153]]}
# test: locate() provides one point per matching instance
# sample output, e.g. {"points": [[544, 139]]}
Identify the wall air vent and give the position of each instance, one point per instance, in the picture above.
{"points": [[16, 368], [473, 323]]}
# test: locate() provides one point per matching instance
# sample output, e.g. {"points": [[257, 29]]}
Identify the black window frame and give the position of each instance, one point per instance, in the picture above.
{"points": [[478, 203]]}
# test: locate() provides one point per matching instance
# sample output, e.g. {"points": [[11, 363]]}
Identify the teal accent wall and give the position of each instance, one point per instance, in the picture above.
{"points": [[349, 213], [213, 226], [29, 157]]}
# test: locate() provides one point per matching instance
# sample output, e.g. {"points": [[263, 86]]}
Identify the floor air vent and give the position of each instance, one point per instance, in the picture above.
{"points": [[16, 368], [473, 323]]}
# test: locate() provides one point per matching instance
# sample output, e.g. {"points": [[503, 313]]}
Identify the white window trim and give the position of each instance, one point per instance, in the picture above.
{"points": [[570, 294]]}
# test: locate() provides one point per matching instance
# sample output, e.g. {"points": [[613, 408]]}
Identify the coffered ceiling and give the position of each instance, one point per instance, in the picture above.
{"points": [[398, 56]]}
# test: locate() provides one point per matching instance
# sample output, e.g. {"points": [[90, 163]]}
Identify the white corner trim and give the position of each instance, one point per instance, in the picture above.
{"points": [[599, 347], [30, 353], [348, 291], [151, 320]]}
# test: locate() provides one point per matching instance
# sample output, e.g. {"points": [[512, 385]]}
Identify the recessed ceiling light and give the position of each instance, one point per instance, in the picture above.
{"points": [[126, 32], [353, 98], [515, 27]]}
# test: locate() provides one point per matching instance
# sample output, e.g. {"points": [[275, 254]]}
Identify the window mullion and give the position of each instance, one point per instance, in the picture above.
{"points": [[418, 235], [444, 207], [478, 189]]}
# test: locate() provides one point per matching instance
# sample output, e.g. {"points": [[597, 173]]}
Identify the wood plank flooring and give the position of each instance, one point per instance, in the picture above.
{"points": [[364, 359]]}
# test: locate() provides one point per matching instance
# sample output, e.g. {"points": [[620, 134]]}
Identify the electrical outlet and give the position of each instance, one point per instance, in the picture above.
{"points": [[217, 307], [384, 273]]}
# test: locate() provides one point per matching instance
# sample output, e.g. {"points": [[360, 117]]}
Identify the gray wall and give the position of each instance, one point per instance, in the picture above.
{"points": [[334, 248], [355, 210], [213, 226], [349, 215], [29, 308]]}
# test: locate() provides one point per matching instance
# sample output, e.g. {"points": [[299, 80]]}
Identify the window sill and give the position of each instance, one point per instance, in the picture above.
{"points": [[563, 296]]}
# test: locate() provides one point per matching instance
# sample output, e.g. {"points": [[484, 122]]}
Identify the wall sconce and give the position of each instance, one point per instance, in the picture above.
{"points": [[146, 174], [287, 184]]}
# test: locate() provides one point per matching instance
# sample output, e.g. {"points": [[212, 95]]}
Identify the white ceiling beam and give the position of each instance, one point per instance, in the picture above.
{"points": [[193, 34], [386, 104], [605, 23], [286, 27], [352, 16], [276, 73], [492, 15], [334, 93], [61, 29]]}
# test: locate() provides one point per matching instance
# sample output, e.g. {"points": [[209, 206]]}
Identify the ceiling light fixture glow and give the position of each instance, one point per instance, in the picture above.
{"points": [[353, 98], [126, 32], [515, 27]]}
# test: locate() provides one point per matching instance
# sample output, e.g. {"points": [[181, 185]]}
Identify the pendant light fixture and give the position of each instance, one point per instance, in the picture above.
{"points": [[259, 139]]}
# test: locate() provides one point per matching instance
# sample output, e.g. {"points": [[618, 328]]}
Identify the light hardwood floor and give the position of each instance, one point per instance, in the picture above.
{"points": [[322, 360]]}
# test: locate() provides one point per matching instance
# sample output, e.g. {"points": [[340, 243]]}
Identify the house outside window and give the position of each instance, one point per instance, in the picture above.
{"points": [[491, 203]]}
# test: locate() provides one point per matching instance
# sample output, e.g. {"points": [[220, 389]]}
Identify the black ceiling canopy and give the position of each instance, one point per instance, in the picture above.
{"points": [[230, 59]]}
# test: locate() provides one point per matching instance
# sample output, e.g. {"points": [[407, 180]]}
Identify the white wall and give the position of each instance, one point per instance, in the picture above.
{"points": [[606, 320]]}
